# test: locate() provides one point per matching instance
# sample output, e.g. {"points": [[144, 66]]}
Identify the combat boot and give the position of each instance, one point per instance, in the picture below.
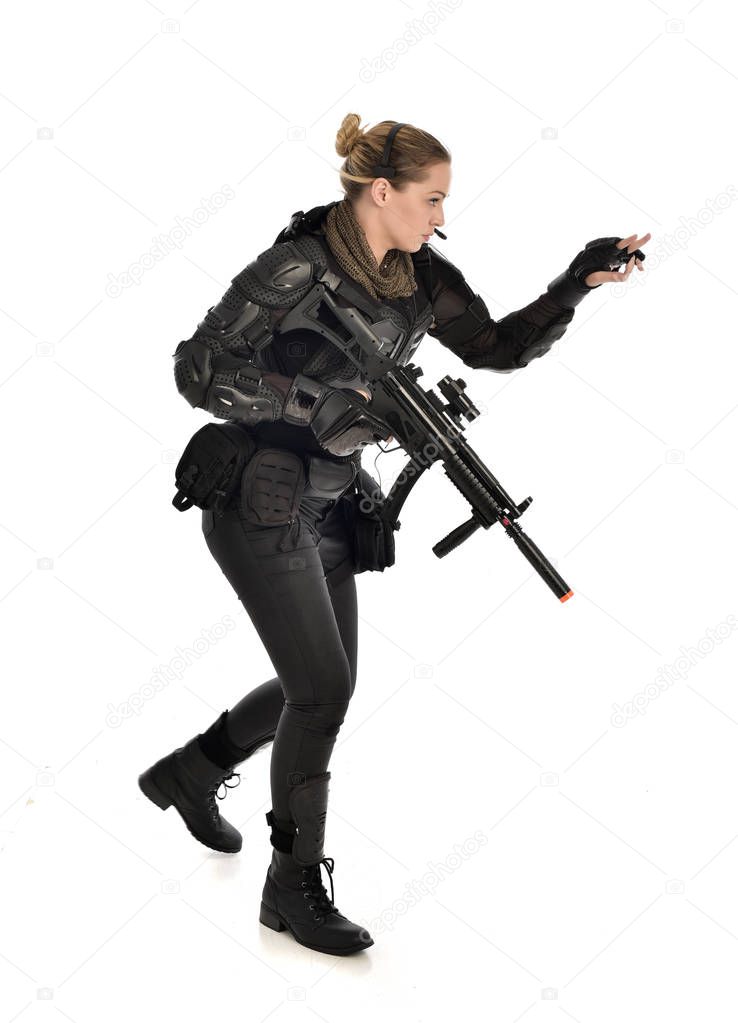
{"points": [[294, 897], [188, 780]]}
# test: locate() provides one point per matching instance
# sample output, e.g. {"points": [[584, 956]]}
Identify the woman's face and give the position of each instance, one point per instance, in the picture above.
{"points": [[411, 216]]}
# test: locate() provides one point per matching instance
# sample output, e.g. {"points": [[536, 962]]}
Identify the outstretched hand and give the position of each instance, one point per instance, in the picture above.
{"points": [[633, 243]]}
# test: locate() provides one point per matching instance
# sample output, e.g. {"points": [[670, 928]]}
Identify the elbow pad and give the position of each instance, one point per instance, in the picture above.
{"points": [[538, 348], [213, 369], [229, 335], [245, 394], [236, 391]]}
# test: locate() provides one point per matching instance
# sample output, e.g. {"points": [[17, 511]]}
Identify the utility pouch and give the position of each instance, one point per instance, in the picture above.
{"points": [[372, 534], [208, 473], [272, 486]]}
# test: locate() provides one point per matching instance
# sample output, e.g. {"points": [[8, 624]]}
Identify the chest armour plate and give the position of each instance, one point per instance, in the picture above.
{"points": [[402, 332], [399, 330]]}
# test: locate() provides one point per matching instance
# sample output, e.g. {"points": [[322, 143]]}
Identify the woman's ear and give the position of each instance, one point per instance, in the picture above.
{"points": [[379, 190]]}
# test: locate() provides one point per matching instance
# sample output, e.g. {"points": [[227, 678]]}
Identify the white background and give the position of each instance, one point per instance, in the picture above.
{"points": [[601, 883]]}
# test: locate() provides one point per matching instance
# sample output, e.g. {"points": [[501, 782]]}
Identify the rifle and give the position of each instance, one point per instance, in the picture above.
{"points": [[430, 430]]}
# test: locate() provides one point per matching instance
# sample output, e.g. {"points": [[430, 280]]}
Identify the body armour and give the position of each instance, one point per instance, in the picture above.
{"points": [[400, 323], [274, 319]]}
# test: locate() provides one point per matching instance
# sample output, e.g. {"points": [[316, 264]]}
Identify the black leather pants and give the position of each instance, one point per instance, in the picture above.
{"points": [[297, 585]]}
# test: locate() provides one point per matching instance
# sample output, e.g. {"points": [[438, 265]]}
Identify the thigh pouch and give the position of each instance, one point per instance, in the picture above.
{"points": [[272, 486]]}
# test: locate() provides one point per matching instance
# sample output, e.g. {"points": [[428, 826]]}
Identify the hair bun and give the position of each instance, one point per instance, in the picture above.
{"points": [[348, 134]]}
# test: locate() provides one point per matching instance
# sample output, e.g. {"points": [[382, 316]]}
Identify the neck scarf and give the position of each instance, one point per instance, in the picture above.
{"points": [[395, 278]]}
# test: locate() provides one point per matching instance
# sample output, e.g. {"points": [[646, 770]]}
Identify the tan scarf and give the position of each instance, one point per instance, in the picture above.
{"points": [[348, 243]]}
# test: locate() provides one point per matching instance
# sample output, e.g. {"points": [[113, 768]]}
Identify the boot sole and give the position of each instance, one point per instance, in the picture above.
{"points": [[152, 791], [271, 919]]}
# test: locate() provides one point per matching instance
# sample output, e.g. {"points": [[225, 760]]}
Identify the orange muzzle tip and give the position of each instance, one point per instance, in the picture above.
{"points": [[566, 596]]}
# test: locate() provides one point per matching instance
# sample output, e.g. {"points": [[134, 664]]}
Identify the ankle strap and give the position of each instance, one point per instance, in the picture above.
{"points": [[280, 839]]}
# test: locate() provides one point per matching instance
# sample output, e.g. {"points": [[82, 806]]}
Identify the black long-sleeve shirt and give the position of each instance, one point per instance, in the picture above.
{"points": [[480, 341]]}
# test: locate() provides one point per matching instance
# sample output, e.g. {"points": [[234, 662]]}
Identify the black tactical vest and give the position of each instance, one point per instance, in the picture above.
{"points": [[400, 323]]}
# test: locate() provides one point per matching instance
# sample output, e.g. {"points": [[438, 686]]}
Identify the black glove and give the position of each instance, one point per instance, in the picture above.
{"points": [[568, 289], [342, 423], [336, 416]]}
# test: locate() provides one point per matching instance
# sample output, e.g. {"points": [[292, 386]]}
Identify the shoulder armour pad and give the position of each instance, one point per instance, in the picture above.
{"points": [[279, 276], [434, 264]]}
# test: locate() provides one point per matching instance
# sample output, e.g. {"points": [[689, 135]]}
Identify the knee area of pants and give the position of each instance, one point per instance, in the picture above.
{"points": [[325, 718], [331, 689]]}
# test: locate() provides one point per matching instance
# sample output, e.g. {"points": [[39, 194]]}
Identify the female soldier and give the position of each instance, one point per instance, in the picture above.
{"points": [[265, 358]]}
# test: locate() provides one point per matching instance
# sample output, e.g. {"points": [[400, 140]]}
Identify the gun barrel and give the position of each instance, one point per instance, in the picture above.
{"points": [[537, 559]]}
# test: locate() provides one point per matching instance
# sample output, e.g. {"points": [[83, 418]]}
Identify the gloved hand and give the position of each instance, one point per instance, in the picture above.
{"points": [[603, 254], [597, 262], [336, 416], [343, 424]]}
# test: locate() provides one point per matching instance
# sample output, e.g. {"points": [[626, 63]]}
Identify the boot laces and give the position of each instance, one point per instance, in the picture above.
{"points": [[215, 792], [317, 890]]}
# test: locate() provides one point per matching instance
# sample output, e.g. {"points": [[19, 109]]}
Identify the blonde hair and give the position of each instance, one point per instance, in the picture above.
{"points": [[413, 150]]}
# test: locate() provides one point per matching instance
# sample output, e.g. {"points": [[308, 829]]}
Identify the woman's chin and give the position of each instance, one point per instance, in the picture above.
{"points": [[412, 246]]}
